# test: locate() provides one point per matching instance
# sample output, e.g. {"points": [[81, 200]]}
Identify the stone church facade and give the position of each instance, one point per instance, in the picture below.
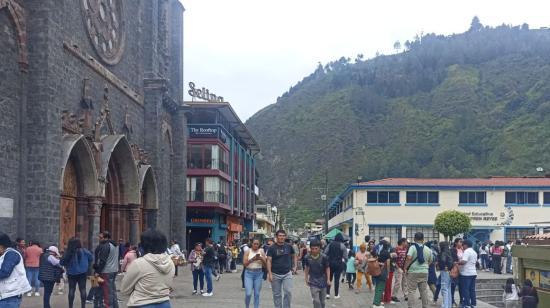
{"points": [[92, 129]]}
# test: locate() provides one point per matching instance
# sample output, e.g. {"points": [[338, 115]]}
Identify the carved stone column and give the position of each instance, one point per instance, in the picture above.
{"points": [[94, 216], [134, 218]]}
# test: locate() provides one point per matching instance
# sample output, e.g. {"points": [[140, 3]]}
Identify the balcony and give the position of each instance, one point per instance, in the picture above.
{"points": [[214, 164], [207, 196]]}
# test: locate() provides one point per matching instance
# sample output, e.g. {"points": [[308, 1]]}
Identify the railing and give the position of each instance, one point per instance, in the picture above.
{"points": [[208, 164], [207, 196]]}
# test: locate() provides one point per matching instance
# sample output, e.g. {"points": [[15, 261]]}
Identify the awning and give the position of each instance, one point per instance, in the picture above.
{"points": [[332, 234]]}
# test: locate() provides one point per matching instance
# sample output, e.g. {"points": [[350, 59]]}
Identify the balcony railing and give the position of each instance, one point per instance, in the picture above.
{"points": [[208, 164], [207, 196]]}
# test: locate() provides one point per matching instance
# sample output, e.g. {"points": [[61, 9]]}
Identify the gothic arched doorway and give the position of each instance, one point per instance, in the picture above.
{"points": [[149, 198], [120, 190], [78, 181]]}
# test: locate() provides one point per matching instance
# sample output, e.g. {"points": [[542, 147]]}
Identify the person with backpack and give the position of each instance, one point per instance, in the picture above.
{"points": [[316, 273], [378, 266], [77, 260], [195, 260], [418, 260], [336, 252], [222, 257]]}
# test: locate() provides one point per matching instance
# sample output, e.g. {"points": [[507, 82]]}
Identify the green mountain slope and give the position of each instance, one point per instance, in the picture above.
{"points": [[471, 104]]}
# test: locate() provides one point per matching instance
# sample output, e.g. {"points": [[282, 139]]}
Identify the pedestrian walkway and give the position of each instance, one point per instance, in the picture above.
{"points": [[228, 293]]}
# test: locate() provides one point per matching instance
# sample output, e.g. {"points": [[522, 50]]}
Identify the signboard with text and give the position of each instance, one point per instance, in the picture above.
{"points": [[202, 131]]}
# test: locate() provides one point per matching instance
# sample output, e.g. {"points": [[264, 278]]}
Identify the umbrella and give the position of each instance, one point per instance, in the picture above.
{"points": [[332, 234]]}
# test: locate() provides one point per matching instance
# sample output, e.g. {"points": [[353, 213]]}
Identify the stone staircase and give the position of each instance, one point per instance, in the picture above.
{"points": [[490, 291]]}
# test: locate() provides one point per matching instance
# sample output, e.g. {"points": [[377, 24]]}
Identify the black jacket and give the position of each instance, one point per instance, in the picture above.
{"points": [[101, 254], [48, 271]]}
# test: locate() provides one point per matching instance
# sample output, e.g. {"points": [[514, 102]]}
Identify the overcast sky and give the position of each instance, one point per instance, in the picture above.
{"points": [[250, 52]]}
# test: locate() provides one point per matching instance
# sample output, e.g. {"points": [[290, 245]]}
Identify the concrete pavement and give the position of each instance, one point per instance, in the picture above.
{"points": [[228, 292]]}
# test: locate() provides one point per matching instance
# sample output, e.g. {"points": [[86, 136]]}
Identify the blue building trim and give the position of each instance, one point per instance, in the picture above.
{"points": [[422, 204], [382, 204], [521, 205], [474, 204], [442, 187], [400, 225]]}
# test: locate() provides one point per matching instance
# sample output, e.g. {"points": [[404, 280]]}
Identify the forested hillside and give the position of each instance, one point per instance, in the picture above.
{"points": [[470, 104]]}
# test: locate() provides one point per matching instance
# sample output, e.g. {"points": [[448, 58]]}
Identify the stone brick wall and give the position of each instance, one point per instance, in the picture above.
{"points": [[10, 113], [55, 82]]}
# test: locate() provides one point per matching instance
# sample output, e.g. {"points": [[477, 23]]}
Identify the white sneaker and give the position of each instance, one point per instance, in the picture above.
{"points": [[327, 297], [208, 294], [202, 292], [376, 306], [218, 277], [29, 294], [337, 296], [194, 292], [36, 294]]}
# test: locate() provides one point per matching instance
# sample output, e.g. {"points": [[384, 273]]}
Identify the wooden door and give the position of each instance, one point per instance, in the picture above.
{"points": [[67, 207], [68, 221]]}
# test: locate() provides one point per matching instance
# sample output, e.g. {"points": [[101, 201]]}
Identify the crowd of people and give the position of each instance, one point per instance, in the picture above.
{"points": [[394, 274]]}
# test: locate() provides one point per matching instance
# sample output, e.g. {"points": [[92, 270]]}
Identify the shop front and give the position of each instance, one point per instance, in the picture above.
{"points": [[234, 228]]}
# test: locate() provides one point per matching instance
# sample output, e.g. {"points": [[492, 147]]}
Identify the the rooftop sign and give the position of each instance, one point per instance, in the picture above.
{"points": [[204, 94]]}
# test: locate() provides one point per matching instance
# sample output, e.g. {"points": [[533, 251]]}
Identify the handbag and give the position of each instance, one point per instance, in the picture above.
{"points": [[373, 267], [454, 272]]}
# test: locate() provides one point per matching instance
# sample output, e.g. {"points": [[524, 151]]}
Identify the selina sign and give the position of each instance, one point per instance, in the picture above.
{"points": [[203, 94], [203, 131]]}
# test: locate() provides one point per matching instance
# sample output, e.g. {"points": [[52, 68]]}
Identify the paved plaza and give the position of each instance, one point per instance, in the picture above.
{"points": [[228, 293]]}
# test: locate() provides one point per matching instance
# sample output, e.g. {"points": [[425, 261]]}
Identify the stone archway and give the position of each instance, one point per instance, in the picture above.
{"points": [[149, 198], [78, 181], [120, 190]]}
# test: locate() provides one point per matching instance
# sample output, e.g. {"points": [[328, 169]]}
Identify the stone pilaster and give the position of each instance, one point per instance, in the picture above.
{"points": [[134, 218], [94, 216]]}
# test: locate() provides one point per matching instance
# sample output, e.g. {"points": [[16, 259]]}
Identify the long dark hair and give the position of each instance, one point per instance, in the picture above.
{"points": [[72, 246], [509, 283]]}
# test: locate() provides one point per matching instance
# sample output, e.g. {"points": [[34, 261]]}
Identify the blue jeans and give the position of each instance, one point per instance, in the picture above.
{"points": [[198, 276], [32, 277], [11, 302], [165, 304], [509, 264], [208, 274], [485, 261], [253, 281], [468, 286], [446, 289]]}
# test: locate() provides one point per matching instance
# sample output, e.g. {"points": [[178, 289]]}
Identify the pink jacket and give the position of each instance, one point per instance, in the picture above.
{"points": [[128, 258]]}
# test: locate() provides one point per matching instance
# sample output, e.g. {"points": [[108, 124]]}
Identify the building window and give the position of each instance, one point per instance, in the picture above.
{"points": [[522, 197], [422, 197], [547, 197], [472, 197], [207, 156], [207, 189], [383, 197], [513, 234], [379, 232], [429, 233]]}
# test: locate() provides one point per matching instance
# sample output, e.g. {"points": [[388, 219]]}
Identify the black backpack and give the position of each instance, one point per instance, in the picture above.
{"points": [[335, 253]]}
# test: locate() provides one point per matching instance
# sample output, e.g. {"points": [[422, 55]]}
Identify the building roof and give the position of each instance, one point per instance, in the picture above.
{"points": [[236, 124], [494, 181]]}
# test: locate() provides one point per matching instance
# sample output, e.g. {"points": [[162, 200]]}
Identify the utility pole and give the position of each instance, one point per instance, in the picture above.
{"points": [[324, 198]]}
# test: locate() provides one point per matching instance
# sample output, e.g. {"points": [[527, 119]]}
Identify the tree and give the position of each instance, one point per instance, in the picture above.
{"points": [[397, 46], [451, 223], [475, 25]]}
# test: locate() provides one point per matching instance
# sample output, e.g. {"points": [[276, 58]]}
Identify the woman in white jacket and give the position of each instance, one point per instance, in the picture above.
{"points": [[148, 280]]}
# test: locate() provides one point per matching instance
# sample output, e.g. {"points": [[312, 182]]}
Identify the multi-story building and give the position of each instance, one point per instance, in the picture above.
{"points": [[221, 174], [500, 208], [265, 219], [314, 228]]}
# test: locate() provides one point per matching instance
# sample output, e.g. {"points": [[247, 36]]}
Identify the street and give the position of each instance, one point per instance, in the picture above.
{"points": [[228, 292]]}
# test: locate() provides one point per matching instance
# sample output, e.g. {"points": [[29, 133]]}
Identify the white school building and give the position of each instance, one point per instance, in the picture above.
{"points": [[500, 208]]}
